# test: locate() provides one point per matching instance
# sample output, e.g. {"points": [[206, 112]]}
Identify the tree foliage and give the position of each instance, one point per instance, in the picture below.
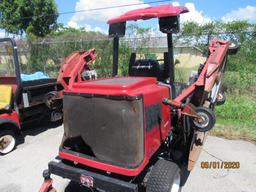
{"points": [[236, 30], [9, 16], [69, 33], [35, 17], [242, 66]]}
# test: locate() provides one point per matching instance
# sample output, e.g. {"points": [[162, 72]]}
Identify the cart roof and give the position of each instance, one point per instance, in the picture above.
{"points": [[150, 12]]}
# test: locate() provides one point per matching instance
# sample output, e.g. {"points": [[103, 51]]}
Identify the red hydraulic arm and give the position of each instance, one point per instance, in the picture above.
{"points": [[47, 184], [210, 74], [74, 67], [208, 85]]}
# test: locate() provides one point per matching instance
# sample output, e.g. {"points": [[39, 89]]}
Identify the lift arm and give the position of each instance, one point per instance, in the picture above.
{"points": [[76, 68]]}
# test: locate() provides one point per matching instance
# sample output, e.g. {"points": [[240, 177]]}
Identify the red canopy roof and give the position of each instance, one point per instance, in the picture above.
{"points": [[150, 12]]}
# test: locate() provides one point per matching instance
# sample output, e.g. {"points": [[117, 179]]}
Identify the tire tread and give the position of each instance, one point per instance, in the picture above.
{"points": [[162, 176]]}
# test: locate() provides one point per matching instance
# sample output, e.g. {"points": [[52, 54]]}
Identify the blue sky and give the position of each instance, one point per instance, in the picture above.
{"points": [[214, 9], [201, 11]]}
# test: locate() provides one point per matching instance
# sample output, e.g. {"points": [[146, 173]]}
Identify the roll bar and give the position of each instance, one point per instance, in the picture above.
{"points": [[168, 16]]}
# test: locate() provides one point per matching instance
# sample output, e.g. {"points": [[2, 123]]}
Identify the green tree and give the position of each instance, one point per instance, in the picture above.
{"points": [[10, 16], [35, 17], [241, 67]]}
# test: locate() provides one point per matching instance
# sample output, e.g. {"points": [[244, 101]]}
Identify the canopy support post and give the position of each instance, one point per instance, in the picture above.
{"points": [[115, 56], [171, 63]]}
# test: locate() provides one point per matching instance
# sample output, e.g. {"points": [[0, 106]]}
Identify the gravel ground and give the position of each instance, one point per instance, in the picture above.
{"points": [[21, 170]]}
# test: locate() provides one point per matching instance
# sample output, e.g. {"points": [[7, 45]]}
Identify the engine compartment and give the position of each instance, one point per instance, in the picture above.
{"points": [[120, 121]]}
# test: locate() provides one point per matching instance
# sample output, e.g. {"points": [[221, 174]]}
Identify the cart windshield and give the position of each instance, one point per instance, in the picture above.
{"points": [[7, 68]]}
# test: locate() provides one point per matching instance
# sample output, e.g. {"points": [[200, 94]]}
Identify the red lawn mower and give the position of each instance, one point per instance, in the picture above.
{"points": [[29, 101], [143, 132]]}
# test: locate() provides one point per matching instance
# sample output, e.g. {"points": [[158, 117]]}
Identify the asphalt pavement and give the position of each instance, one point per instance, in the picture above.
{"points": [[21, 170]]}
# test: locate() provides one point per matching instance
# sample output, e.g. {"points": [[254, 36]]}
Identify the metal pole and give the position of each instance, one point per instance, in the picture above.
{"points": [[171, 63], [115, 56]]}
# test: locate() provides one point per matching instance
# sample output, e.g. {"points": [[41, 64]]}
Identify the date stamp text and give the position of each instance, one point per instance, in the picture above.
{"points": [[220, 165]]}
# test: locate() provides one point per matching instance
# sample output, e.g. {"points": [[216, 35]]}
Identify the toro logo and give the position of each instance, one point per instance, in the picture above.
{"points": [[86, 181]]}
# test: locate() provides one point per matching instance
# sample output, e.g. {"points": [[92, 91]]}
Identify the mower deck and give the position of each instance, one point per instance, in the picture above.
{"points": [[88, 178]]}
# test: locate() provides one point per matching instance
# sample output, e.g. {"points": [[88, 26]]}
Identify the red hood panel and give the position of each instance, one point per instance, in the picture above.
{"points": [[131, 86]]}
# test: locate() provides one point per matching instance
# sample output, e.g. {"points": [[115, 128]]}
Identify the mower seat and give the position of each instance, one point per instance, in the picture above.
{"points": [[5, 96], [145, 68]]}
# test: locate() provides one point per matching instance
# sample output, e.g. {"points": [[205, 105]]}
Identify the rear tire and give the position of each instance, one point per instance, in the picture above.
{"points": [[8, 141], [165, 177]]}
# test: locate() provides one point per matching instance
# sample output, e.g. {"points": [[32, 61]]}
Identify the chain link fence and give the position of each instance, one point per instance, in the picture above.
{"points": [[47, 55]]}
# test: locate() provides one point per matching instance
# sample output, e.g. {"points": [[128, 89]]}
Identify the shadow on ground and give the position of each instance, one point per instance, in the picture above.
{"points": [[34, 129], [75, 187]]}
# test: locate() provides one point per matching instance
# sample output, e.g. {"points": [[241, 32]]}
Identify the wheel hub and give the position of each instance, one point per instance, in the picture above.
{"points": [[220, 96], [7, 142], [203, 121]]}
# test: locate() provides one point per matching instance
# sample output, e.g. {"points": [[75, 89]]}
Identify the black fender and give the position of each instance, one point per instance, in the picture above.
{"points": [[13, 125]]}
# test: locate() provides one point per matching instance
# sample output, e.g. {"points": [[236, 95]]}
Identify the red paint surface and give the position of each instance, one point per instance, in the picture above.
{"points": [[11, 116], [47, 186], [104, 166], [150, 12], [74, 65], [218, 50]]}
